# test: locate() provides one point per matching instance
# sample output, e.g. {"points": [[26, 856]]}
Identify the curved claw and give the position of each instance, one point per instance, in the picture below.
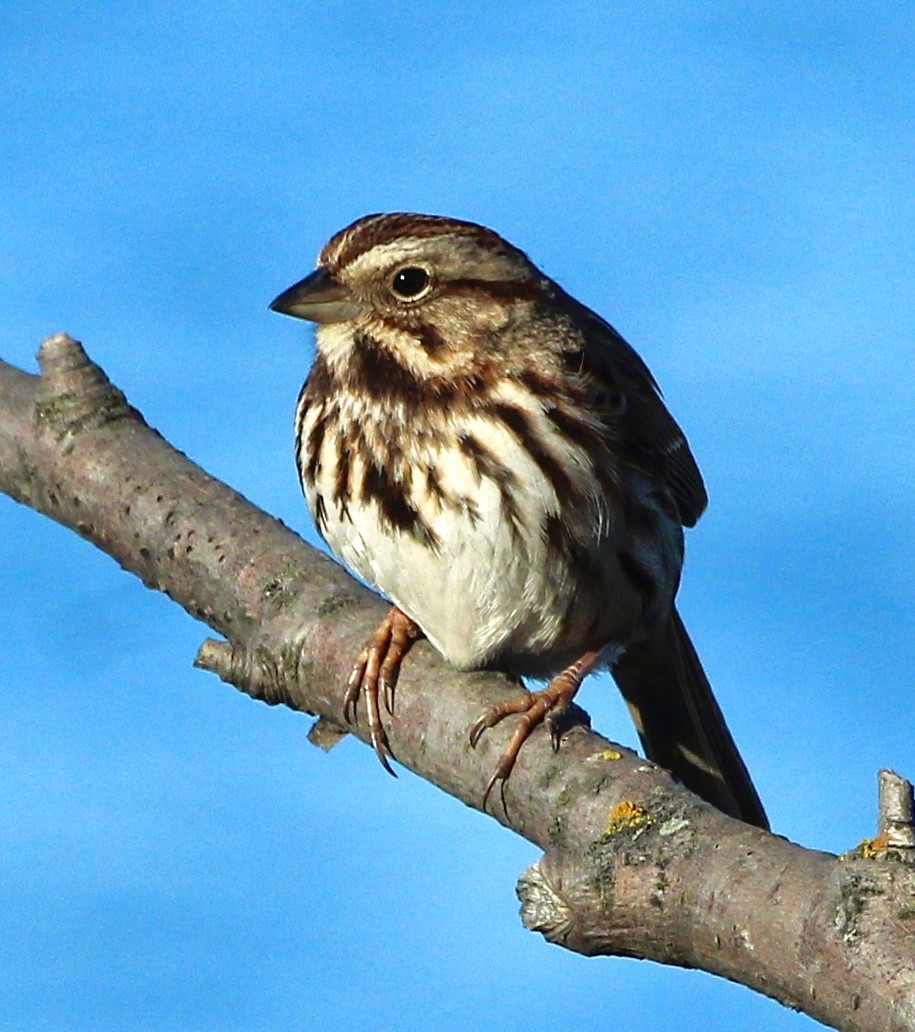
{"points": [[383, 751], [353, 689], [479, 727], [553, 722], [547, 706], [490, 785], [376, 670], [386, 688]]}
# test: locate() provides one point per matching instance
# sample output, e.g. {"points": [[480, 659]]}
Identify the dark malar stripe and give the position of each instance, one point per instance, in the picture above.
{"points": [[428, 336], [374, 373], [432, 341]]}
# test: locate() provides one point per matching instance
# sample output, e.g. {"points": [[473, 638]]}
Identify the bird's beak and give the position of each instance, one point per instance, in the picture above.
{"points": [[320, 298]]}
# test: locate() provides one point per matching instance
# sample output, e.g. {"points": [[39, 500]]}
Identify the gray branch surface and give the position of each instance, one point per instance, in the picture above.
{"points": [[633, 865]]}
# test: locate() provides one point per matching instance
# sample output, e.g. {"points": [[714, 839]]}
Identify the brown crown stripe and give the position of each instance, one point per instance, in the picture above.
{"points": [[374, 230]]}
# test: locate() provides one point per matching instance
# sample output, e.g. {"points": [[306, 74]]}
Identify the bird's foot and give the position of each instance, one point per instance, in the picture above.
{"points": [[547, 706], [376, 671]]}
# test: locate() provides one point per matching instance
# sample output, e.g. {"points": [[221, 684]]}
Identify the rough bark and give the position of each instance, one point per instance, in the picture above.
{"points": [[634, 864]]}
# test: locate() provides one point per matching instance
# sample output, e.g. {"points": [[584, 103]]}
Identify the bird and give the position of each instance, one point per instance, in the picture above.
{"points": [[493, 457]]}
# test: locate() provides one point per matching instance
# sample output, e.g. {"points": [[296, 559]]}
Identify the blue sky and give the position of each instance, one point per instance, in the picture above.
{"points": [[731, 184]]}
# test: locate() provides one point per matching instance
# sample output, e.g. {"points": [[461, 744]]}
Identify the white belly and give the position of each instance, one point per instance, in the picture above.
{"points": [[490, 587]]}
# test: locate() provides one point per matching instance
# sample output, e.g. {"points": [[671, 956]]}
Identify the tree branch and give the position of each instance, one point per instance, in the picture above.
{"points": [[634, 864]]}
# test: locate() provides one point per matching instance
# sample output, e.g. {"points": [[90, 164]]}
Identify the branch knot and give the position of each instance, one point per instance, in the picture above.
{"points": [[75, 393]]}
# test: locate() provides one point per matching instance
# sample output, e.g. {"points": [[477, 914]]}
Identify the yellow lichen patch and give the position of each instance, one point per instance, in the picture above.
{"points": [[610, 754], [626, 815], [872, 848]]}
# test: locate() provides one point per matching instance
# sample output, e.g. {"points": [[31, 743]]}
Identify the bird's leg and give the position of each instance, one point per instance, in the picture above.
{"points": [[377, 667], [548, 706]]}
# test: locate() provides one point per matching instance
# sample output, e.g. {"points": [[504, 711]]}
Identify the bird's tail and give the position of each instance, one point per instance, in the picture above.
{"points": [[680, 724]]}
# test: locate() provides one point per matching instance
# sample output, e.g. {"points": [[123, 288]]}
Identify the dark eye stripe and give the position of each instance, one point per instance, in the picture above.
{"points": [[503, 290]]}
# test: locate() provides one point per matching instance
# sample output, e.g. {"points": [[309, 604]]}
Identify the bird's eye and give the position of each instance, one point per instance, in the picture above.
{"points": [[410, 283]]}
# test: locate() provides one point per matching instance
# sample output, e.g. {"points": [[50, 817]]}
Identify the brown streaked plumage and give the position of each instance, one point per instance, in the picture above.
{"points": [[494, 458]]}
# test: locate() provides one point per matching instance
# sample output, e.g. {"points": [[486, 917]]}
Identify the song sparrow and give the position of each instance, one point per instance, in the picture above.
{"points": [[496, 460]]}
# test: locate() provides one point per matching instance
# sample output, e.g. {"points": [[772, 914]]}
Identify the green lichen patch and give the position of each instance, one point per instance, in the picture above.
{"points": [[337, 603], [851, 905]]}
